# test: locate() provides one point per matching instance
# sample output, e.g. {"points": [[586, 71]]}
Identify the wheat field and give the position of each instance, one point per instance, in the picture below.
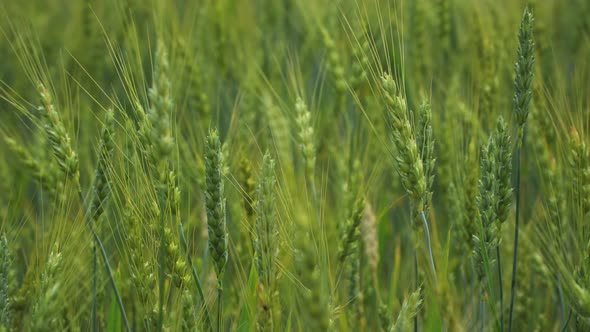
{"points": [[294, 165]]}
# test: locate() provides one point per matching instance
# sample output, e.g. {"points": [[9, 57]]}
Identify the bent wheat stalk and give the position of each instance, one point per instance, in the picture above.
{"points": [[67, 160]]}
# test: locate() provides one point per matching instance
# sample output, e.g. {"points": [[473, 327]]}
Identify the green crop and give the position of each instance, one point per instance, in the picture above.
{"points": [[296, 165]]}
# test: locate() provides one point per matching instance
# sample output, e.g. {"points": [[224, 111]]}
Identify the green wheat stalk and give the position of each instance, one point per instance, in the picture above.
{"points": [[520, 105], [100, 190]]}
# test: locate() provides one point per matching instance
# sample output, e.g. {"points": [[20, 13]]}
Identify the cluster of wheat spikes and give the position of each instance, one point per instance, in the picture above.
{"points": [[299, 165]]}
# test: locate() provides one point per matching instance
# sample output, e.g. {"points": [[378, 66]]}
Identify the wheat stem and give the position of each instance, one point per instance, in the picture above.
{"points": [[219, 305], [428, 245], [416, 281], [195, 277], [105, 259], [516, 228], [498, 257]]}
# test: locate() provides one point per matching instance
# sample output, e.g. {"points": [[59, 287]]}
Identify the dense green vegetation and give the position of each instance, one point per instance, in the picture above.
{"points": [[296, 165]]}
